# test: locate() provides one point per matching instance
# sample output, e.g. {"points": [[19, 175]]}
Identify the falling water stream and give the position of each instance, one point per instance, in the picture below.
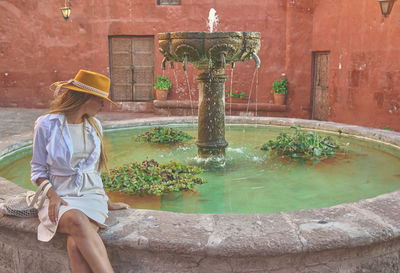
{"points": [[176, 80], [253, 80], [230, 89], [190, 92]]}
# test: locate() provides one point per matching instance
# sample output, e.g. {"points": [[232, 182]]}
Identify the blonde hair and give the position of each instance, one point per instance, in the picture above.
{"points": [[70, 101]]}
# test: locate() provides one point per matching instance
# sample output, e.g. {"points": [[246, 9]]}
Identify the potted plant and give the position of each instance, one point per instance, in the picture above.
{"points": [[280, 89], [235, 96], [163, 84]]}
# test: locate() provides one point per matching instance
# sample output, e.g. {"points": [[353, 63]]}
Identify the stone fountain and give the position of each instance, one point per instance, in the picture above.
{"points": [[210, 53]]}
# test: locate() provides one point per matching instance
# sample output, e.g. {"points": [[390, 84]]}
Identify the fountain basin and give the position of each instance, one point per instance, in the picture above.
{"points": [[352, 237]]}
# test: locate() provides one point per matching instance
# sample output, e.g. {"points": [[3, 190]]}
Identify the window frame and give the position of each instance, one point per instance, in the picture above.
{"points": [[169, 2]]}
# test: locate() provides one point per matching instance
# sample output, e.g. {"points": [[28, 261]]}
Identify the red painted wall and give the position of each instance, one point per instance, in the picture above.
{"points": [[37, 47], [364, 50], [298, 56]]}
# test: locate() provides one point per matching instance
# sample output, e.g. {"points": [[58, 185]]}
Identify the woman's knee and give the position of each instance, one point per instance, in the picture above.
{"points": [[74, 222]]}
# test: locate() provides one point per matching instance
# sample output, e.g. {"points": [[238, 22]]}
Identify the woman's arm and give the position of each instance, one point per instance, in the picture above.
{"points": [[39, 168], [54, 201], [116, 206]]}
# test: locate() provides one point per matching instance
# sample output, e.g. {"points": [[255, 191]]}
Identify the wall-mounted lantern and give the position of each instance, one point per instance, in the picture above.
{"points": [[386, 6], [66, 10]]}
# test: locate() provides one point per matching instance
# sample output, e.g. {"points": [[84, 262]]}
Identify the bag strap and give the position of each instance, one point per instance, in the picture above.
{"points": [[43, 195], [43, 186]]}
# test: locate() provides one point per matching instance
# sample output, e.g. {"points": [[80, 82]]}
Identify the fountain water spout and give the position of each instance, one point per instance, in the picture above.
{"points": [[256, 59], [185, 60], [163, 64], [223, 60]]}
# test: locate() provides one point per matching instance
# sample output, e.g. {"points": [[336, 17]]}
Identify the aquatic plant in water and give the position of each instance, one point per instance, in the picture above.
{"points": [[302, 144], [151, 177], [164, 135]]}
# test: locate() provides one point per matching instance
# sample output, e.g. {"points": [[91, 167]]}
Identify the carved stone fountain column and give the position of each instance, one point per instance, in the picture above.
{"points": [[211, 128], [210, 53]]}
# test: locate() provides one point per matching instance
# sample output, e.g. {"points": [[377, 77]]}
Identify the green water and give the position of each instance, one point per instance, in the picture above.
{"points": [[250, 181]]}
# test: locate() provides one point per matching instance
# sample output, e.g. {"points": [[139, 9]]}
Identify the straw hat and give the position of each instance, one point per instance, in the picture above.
{"points": [[88, 82]]}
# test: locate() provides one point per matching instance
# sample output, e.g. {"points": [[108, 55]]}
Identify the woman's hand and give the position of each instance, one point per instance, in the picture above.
{"points": [[116, 206], [54, 203]]}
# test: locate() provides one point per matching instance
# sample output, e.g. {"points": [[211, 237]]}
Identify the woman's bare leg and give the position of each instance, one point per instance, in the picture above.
{"points": [[78, 263], [87, 240]]}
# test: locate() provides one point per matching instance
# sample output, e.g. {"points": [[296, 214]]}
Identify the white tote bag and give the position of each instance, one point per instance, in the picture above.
{"points": [[26, 204]]}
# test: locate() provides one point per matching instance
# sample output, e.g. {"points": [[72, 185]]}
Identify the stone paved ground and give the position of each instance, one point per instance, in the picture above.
{"points": [[17, 121]]}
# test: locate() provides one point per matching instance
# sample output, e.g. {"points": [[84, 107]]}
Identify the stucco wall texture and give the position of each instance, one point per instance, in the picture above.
{"points": [[37, 47], [365, 61]]}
